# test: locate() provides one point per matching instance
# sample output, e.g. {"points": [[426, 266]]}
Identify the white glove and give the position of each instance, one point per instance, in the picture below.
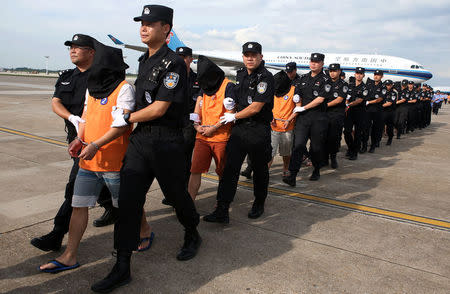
{"points": [[229, 103], [367, 103], [296, 98], [298, 109], [227, 118], [75, 120], [118, 120], [194, 117]]}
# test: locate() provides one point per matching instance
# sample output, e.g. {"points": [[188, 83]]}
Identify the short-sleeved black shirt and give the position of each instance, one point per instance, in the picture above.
{"points": [[409, 96], [390, 96], [375, 92], [356, 92], [338, 89], [309, 88], [71, 89], [163, 77], [256, 87], [194, 90]]}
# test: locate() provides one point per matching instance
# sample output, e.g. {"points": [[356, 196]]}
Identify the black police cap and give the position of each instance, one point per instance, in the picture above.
{"points": [[360, 70], [152, 13], [252, 47], [389, 82], [291, 66], [334, 66], [342, 74], [81, 40], [410, 83], [316, 57], [378, 72], [405, 82], [185, 51]]}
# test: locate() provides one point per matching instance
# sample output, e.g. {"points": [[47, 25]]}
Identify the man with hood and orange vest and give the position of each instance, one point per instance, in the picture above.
{"points": [[216, 94], [283, 119], [102, 146]]}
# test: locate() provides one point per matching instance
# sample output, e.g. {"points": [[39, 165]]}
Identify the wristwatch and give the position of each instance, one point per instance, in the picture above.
{"points": [[126, 117]]}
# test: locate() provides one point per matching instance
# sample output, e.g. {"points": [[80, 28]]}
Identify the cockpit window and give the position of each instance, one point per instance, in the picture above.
{"points": [[412, 66]]}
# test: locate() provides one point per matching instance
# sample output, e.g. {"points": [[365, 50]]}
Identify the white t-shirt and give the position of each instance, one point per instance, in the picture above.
{"points": [[125, 100]]}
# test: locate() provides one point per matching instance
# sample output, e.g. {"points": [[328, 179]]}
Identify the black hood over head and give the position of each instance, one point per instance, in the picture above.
{"points": [[107, 70], [282, 83], [209, 75]]}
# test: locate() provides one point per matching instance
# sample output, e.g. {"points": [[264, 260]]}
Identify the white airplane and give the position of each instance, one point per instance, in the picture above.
{"points": [[395, 68]]}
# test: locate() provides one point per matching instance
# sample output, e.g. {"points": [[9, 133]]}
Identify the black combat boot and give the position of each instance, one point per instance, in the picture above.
{"points": [[363, 148], [109, 217], [257, 209], [315, 176], [333, 160], [219, 215], [372, 149], [120, 274], [50, 242], [290, 180], [192, 241], [247, 172], [389, 141], [353, 156]]}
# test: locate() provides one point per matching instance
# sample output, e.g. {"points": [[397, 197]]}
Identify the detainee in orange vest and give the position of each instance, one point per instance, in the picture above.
{"points": [[283, 122], [101, 144], [216, 98]]}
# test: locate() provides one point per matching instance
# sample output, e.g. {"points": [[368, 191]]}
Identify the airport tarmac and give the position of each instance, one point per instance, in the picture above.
{"points": [[380, 224]]}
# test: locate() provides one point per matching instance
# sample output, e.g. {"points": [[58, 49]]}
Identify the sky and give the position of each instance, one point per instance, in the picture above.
{"points": [[412, 29]]}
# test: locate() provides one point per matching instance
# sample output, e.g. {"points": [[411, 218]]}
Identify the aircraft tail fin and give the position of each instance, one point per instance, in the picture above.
{"points": [[115, 40], [173, 41]]}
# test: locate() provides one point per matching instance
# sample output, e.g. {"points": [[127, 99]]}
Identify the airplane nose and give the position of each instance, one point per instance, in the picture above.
{"points": [[428, 75]]}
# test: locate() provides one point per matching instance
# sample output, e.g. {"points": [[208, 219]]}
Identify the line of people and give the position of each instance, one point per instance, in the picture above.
{"points": [[184, 121]]}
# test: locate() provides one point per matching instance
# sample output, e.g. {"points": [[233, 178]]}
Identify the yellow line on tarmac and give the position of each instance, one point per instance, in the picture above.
{"points": [[358, 207], [31, 136]]}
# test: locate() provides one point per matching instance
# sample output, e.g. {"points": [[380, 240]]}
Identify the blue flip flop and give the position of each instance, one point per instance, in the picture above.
{"points": [[149, 239], [59, 267]]}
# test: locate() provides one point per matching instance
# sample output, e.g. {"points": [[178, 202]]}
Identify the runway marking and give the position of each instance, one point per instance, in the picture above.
{"points": [[318, 199], [358, 207], [31, 136]]}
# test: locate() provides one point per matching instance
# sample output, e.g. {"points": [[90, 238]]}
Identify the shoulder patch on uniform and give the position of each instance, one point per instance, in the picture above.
{"points": [[345, 89], [383, 91], [365, 92], [171, 80], [262, 87]]}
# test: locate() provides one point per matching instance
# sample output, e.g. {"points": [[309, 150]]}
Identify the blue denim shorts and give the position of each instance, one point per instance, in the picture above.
{"points": [[89, 184]]}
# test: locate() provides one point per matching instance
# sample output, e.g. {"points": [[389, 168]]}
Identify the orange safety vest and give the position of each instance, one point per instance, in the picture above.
{"points": [[211, 111], [98, 121], [282, 110]]}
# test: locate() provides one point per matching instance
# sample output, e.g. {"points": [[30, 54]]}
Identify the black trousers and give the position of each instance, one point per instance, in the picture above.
{"points": [[189, 143], [388, 119], [354, 119], [401, 116], [334, 133], [62, 218], [252, 139], [313, 126], [412, 117], [373, 126], [428, 113], [156, 153]]}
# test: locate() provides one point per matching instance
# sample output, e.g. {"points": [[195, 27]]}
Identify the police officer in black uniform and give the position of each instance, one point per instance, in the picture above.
{"points": [[156, 148], [254, 92], [291, 70], [356, 100], [68, 103], [411, 102], [401, 111], [389, 104], [342, 75], [374, 119], [193, 92], [336, 112], [312, 121]]}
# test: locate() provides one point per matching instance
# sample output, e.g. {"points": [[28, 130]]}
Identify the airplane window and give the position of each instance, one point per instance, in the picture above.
{"points": [[421, 66], [412, 66]]}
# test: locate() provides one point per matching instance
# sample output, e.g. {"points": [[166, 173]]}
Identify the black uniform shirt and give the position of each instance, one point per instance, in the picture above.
{"points": [[163, 77], [375, 92], [296, 80], [391, 96], [357, 92], [309, 88], [409, 95], [338, 89], [71, 89], [256, 87], [194, 90]]}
